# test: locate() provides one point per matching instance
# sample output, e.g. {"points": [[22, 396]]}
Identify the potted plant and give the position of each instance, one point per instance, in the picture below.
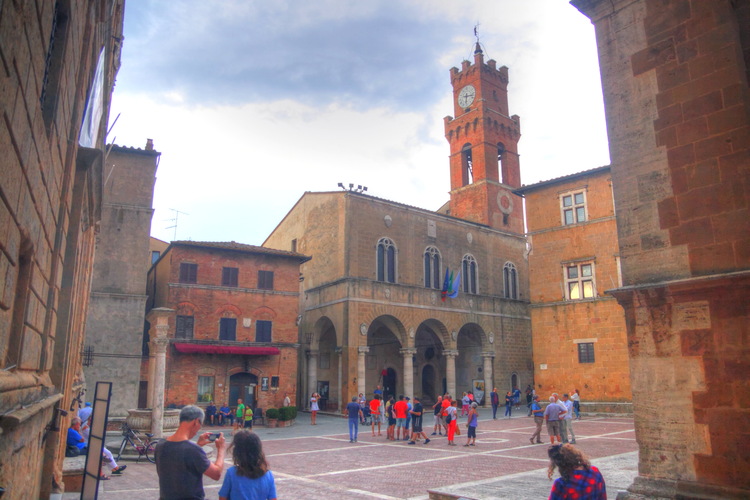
{"points": [[287, 415], [272, 416]]}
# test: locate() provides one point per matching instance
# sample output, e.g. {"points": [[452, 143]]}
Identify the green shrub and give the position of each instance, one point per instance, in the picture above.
{"points": [[287, 413], [272, 413]]}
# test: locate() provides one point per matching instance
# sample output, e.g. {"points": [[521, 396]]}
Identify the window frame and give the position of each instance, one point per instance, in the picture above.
{"points": [[586, 352], [224, 329], [580, 279], [510, 276], [386, 261], [264, 277], [258, 332], [230, 277], [185, 320], [206, 380], [470, 274], [432, 267], [188, 273], [574, 207]]}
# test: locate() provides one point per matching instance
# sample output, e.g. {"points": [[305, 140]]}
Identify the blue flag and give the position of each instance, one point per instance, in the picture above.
{"points": [[454, 286], [446, 284]]}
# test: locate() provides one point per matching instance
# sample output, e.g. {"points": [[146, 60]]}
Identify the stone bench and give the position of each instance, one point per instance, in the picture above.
{"points": [[73, 473]]}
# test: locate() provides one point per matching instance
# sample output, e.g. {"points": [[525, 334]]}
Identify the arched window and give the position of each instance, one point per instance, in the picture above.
{"points": [[510, 280], [467, 176], [432, 268], [469, 272], [500, 158], [386, 257]]}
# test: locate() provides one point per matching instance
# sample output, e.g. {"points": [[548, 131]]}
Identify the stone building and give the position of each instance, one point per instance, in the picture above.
{"points": [[578, 330], [59, 61], [114, 326], [231, 311], [371, 307], [676, 88]]}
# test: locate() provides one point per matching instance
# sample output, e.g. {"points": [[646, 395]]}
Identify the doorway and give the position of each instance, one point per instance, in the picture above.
{"points": [[242, 385], [389, 383], [428, 384]]}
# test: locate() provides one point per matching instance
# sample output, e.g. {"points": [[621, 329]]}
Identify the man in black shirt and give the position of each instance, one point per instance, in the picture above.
{"points": [[416, 422]]}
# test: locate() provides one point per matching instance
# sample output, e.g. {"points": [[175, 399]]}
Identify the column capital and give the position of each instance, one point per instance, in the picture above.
{"points": [[408, 351], [311, 353], [488, 355], [159, 345], [450, 353], [363, 349]]}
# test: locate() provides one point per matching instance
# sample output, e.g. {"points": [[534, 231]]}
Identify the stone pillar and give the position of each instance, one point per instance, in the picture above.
{"points": [[159, 318], [339, 352], [408, 354], [312, 375], [488, 384], [150, 378], [450, 371], [362, 352]]}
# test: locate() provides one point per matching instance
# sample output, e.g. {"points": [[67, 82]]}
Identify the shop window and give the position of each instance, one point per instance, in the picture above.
{"points": [[205, 389]]}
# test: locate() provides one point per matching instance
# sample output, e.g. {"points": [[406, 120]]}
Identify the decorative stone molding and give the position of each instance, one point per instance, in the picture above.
{"points": [[491, 337], [407, 351], [363, 349], [450, 353], [363, 328]]}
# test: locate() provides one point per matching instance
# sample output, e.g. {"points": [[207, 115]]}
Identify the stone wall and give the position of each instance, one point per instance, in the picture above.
{"points": [[675, 78], [114, 327]]}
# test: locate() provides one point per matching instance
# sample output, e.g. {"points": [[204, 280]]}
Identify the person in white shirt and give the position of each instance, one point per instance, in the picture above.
{"points": [[567, 422]]}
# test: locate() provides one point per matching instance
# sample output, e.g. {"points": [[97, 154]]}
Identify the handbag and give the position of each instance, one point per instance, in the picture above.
{"points": [[458, 431]]}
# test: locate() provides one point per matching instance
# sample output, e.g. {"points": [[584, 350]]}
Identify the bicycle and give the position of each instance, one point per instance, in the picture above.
{"points": [[131, 437]]}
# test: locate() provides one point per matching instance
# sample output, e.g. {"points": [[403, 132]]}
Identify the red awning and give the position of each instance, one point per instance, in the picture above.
{"points": [[225, 349]]}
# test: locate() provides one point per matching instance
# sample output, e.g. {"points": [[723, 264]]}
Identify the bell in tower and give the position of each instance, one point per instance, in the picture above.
{"points": [[483, 140]]}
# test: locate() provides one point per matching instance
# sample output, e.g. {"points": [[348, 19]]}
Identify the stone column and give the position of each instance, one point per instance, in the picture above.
{"points": [[488, 357], [362, 352], [408, 353], [150, 378], [312, 375], [339, 351], [159, 318], [450, 371]]}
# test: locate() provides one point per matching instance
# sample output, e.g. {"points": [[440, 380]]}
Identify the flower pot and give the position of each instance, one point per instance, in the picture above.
{"points": [[271, 422]]}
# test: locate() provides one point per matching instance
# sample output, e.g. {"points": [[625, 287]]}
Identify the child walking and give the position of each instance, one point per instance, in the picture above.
{"points": [[250, 478]]}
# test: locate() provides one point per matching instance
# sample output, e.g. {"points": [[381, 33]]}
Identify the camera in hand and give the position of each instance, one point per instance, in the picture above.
{"points": [[214, 436]]}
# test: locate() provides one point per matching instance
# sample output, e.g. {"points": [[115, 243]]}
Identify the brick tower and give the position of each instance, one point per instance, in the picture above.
{"points": [[483, 142]]}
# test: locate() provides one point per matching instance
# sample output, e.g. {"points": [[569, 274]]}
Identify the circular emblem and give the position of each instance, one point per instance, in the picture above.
{"points": [[363, 328], [387, 293], [505, 203], [491, 338], [469, 237], [454, 334], [412, 332]]}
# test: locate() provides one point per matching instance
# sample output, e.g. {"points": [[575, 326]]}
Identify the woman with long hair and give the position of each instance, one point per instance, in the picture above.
{"points": [[250, 477], [578, 478]]}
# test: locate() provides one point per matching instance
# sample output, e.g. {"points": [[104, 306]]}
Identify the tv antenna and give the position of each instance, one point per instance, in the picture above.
{"points": [[176, 217]]}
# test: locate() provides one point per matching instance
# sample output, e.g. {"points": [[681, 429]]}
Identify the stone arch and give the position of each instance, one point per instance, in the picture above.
{"points": [[322, 325], [430, 342], [228, 309], [385, 337], [186, 308], [470, 343], [265, 313]]}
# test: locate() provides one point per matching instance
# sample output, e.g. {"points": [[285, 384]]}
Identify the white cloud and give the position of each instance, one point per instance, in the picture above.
{"points": [[253, 103]]}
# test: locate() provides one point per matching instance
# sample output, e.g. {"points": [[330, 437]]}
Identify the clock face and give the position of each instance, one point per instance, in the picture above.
{"points": [[466, 96]]}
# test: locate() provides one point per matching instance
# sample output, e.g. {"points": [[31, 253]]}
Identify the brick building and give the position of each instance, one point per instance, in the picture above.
{"points": [[371, 308], [114, 326], [232, 322], [676, 88], [59, 61], [578, 330]]}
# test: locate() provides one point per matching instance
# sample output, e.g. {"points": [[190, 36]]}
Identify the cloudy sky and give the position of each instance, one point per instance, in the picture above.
{"points": [[252, 103]]}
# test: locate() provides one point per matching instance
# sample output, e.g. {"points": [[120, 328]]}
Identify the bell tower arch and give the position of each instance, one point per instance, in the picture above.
{"points": [[483, 138]]}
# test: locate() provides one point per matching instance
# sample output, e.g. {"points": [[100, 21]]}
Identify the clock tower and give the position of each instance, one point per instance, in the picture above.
{"points": [[483, 140]]}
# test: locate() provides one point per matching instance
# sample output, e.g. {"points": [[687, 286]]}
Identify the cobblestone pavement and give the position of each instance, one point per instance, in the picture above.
{"points": [[320, 462]]}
